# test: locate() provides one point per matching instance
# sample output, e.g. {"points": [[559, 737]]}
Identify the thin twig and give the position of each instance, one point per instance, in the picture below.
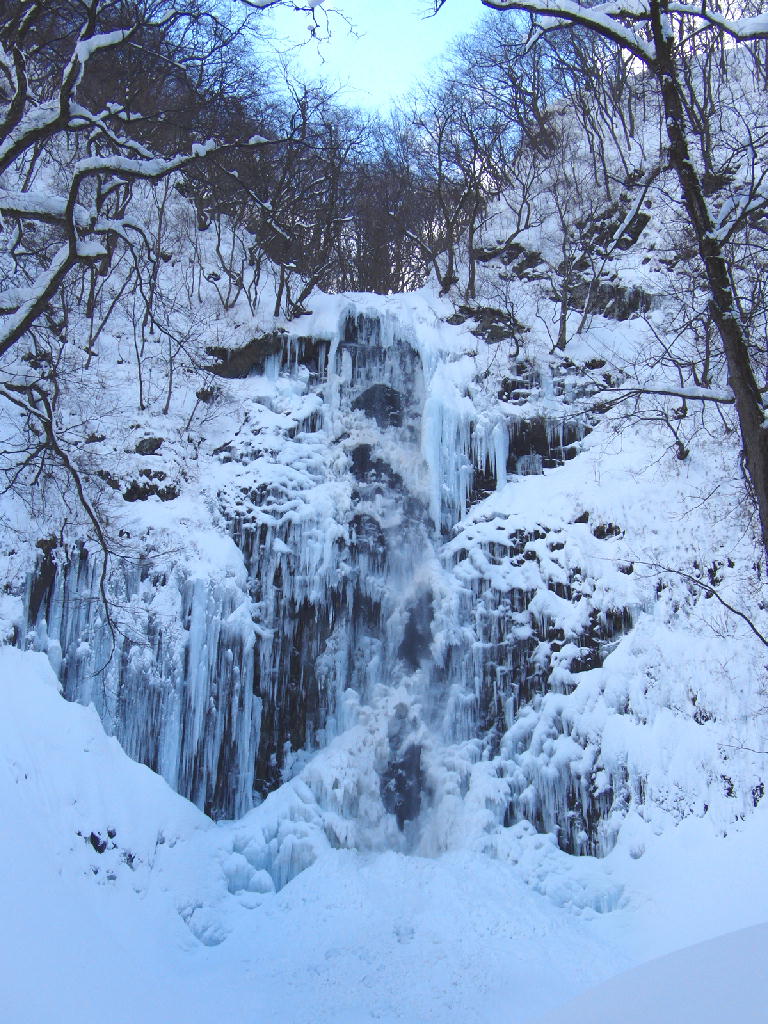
{"points": [[712, 592]]}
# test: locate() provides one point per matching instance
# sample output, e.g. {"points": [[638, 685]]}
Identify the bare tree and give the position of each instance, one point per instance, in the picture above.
{"points": [[656, 34], [83, 143]]}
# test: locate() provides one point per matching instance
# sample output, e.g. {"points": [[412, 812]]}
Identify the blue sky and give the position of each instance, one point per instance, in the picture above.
{"points": [[393, 47]]}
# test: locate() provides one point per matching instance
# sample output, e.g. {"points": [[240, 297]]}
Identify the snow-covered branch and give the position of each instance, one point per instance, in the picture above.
{"points": [[692, 394], [38, 297], [79, 223], [741, 29], [44, 120], [41, 206], [613, 21]]}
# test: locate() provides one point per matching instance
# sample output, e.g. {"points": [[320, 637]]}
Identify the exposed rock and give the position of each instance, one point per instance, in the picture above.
{"points": [[381, 403], [251, 358], [148, 445], [97, 842]]}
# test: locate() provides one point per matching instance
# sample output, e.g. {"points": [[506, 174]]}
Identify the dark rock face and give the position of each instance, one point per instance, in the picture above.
{"points": [[97, 842], [402, 781], [401, 786], [44, 578], [367, 536], [381, 403], [151, 482], [251, 358], [362, 328], [605, 294], [539, 443], [149, 445], [611, 299], [525, 263], [516, 671], [490, 323], [310, 352], [295, 704], [417, 635], [483, 483], [368, 469]]}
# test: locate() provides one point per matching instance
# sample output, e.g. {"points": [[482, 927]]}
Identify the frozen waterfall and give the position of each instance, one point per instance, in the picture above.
{"points": [[369, 594]]}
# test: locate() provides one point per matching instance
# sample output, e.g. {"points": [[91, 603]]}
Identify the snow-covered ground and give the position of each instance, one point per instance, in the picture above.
{"points": [[720, 980], [355, 937]]}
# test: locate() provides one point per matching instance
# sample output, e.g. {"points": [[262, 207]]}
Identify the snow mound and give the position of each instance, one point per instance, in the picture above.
{"points": [[723, 979]]}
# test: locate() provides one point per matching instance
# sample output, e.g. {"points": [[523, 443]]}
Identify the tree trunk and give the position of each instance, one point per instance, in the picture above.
{"points": [[471, 291], [741, 378]]}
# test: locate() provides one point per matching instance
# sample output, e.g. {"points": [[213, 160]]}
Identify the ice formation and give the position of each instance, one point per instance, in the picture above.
{"points": [[400, 648]]}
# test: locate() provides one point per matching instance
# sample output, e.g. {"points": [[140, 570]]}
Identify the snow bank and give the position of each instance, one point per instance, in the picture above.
{"points": [[720, 980]]}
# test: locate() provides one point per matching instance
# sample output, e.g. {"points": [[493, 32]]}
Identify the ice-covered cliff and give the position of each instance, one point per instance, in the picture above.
{"points": [[416, 578]]}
